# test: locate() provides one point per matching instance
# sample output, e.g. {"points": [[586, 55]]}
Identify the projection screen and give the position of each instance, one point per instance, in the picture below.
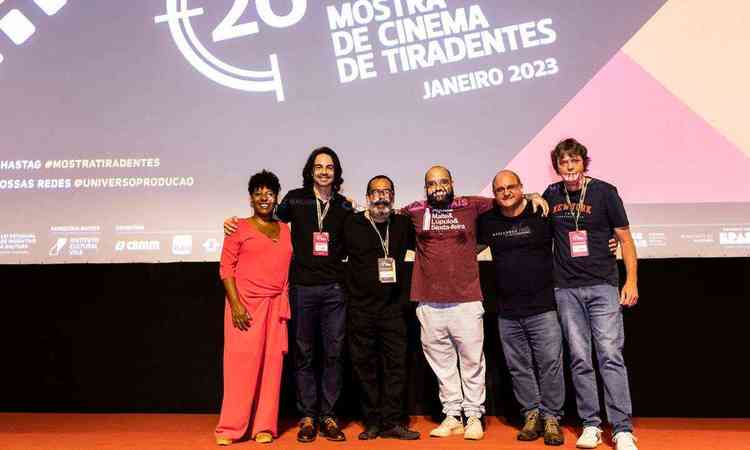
{"points": [[128, 130]]}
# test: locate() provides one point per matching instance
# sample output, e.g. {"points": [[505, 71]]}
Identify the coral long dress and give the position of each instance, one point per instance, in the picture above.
{"points": [[253, 359]]}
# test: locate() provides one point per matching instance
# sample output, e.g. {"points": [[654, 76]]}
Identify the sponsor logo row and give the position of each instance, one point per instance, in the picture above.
{"points": [[181, 245]]}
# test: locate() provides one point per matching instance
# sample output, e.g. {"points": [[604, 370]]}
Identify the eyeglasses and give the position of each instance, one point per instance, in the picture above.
{"points": [[503, 189], [432, 184]]}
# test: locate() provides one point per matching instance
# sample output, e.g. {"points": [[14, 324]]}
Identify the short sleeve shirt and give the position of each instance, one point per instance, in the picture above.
{"points": [[521, 250], [445, 266], [602, 211]]}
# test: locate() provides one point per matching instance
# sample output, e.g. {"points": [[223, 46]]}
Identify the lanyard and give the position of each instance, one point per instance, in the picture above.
{"points": [[383, 242], [321, 215], [577, 214]]}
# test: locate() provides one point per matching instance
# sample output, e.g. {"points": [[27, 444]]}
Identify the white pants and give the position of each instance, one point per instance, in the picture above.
{"points": [[452, 336]]}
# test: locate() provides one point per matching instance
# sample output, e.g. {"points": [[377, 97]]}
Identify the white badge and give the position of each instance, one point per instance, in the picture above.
{"points": [[387, 270]]}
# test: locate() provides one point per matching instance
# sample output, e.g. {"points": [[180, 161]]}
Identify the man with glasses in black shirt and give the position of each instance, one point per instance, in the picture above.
{"points": [[376, 241], [520, 241]]}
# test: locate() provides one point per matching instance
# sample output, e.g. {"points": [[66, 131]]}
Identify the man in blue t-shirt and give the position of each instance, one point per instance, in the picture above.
{"points": [[585, 212]]}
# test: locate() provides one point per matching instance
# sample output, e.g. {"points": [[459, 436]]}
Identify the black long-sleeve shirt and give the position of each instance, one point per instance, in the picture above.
{"points": [[366, 293], [298, 208]]}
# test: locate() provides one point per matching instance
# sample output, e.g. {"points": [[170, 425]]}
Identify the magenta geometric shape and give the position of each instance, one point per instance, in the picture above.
{"points": [[642, 139]]}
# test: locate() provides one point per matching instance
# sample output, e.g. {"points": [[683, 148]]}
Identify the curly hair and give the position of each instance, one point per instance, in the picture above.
{"points": [[569, 146], [264, 179], [307, 171]]}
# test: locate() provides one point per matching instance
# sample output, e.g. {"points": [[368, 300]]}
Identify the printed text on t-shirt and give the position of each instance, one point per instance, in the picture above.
{"points": [[443, 220], [560, 207]]}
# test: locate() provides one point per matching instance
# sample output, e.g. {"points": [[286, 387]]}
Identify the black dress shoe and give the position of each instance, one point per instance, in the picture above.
{"points": [[400, 432], [307, 431], [371, 432], [329, 429]]}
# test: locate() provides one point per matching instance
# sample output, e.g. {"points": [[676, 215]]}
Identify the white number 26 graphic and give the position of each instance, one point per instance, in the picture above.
{"points": [[228, 28], [178, 16]]}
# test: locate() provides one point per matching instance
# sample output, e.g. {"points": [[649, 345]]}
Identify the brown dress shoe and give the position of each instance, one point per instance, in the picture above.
{"points": [[330, 430], [307, 431]]}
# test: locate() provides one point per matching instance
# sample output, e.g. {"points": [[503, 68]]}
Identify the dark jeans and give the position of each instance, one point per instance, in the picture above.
{"points": [[378, 345], [318, 310], [533, 352]]}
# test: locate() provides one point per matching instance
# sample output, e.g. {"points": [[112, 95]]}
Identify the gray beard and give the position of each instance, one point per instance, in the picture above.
{"points": [[376, 214]]}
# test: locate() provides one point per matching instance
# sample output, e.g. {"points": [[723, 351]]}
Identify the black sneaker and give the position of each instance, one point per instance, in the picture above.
{"points": [[370, 432], [400, 432]]}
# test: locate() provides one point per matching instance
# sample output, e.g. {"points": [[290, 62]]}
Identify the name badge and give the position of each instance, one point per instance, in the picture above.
{"points": [[320, 244], [387, 270], [579, 243]]}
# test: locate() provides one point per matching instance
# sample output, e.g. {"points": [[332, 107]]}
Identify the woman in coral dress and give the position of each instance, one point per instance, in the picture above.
{"points": [[254, 268]]}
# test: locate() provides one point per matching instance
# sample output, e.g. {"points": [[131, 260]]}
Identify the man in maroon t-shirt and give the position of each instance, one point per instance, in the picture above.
{"points": [[445, 283]]}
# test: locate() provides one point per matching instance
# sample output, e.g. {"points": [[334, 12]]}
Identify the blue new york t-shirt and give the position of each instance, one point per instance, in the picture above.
{"points": [[602, 211]]}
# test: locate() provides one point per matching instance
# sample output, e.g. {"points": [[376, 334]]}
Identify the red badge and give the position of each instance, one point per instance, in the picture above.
{"points": [[320, 244]]}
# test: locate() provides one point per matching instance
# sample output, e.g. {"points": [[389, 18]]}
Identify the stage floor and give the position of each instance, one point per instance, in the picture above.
{"points": [[194, 431]]}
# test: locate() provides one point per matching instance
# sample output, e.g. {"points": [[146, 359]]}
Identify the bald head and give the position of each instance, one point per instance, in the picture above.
{"points": [[505, 177], [436, 173]]}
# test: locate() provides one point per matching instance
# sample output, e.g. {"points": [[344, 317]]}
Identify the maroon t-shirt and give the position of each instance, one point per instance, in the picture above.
{"points": [[445, 267]]}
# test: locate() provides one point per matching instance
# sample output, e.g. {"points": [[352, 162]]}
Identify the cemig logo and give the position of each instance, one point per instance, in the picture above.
{"points": [[178, 16], [137, 246], [182, 244]]}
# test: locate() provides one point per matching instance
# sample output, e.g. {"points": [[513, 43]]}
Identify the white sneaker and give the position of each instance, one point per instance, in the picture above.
{"points": [[590, 438], [474, 429], [624, 440], [448, 427]]}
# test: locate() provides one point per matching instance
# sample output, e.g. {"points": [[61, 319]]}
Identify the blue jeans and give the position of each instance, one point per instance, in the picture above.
{"points": [[527, 340], [593, 313], [318, 310]]}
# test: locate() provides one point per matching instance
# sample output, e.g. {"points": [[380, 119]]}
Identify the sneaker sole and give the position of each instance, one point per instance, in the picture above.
{"points": [[453, 432], [473, 438], [527, 439], [589, 446]]}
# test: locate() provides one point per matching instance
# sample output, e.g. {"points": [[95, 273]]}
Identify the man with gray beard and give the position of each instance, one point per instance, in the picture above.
{"points": [[376, 241]]}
